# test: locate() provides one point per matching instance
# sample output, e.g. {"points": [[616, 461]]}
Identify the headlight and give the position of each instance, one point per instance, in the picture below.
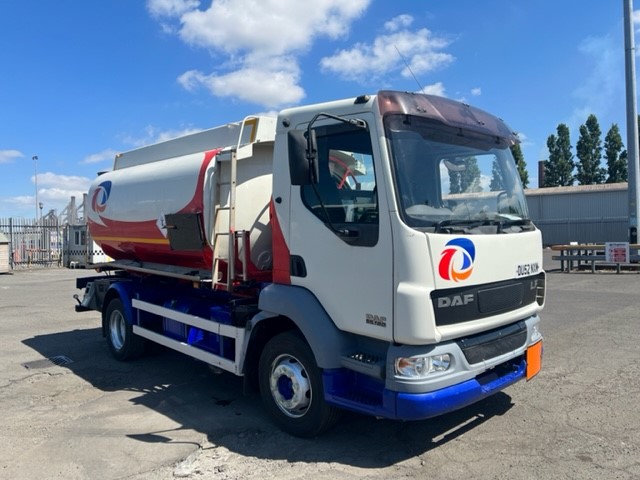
{"points": [[421, 366], [440, 363]]}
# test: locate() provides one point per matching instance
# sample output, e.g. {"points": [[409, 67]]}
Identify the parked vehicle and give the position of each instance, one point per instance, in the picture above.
{"points": [[373, 254]]}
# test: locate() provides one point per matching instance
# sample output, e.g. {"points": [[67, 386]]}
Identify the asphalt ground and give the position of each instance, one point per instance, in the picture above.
{"points": [[69, 410]]}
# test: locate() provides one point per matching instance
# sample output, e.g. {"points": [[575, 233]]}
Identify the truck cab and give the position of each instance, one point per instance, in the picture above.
{"points": [[418, 248]]}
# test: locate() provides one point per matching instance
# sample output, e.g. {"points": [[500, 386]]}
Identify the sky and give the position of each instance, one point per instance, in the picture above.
{"points": [[81, 81]]}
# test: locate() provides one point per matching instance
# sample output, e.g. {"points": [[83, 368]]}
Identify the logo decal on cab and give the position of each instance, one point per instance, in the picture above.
{"points": [[456, 260]]}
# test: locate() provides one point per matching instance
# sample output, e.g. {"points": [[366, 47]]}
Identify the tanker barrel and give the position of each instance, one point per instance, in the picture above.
{"points": [[262, 129]]}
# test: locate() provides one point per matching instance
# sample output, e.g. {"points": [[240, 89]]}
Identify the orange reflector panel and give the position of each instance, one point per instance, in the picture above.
{"points": [[534, 360]]}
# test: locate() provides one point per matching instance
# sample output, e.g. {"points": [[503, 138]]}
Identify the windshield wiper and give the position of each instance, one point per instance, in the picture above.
{"points": [[468, 225], [525, 224], [452, 226]]}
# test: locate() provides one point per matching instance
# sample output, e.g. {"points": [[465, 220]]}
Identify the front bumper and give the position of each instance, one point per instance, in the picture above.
{"points": [[419, 406], [417, 399]]}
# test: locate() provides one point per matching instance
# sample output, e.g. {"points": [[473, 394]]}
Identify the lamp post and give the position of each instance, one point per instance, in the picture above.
{"points": [[35, 166], [632, 122]]}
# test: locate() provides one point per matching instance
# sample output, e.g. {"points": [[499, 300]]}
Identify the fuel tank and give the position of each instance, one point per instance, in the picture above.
{"points": [[159, 202]]}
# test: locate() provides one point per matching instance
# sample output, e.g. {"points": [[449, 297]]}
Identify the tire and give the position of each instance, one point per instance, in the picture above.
{"points": [[123, 343], [291, 387]]}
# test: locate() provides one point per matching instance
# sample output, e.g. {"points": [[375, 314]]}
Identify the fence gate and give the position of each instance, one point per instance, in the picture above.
{"points": [[33, 243]]}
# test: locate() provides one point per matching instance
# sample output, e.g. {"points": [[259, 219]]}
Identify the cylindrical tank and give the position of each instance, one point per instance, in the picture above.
{"points": [[162, 211]]}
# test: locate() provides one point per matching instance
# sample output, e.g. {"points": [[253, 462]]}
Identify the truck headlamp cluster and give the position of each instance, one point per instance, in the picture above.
{"points": [[421, 366]]}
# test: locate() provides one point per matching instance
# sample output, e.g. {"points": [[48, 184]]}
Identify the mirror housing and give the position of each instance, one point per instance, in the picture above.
{"points": [[303, 161]]}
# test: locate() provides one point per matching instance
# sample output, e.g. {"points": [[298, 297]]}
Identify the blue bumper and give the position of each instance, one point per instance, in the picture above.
{"points": [[362, 398]]}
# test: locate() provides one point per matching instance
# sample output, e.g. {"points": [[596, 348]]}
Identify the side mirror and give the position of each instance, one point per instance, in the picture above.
{"points": [[303, 158]]}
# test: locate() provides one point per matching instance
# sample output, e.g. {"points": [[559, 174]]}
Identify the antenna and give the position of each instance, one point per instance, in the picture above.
{"points": [[409, 68]]}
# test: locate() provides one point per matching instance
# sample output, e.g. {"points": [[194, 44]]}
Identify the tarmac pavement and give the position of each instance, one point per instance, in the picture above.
{"points": [[69, 410]]}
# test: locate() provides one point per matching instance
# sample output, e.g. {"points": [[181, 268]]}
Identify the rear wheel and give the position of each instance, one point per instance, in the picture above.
{"points": [[291, 387], [123, 343]]}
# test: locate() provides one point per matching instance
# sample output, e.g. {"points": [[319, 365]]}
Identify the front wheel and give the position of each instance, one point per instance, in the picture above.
{"points": [[291, 387], [123, 343]]}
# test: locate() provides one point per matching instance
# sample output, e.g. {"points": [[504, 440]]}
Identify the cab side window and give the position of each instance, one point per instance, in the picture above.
{"points": [[345, 197]]}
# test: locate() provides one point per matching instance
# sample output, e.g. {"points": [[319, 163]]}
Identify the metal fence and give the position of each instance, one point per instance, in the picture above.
{"points": [[33, 244]]}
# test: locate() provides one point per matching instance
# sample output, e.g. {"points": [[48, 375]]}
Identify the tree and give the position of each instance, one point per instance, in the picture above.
{"points": [[558, 168], [516, 151], [497, 179], [468, 179], [470, 176], [454, 182], [615, 156], [589, 153]]}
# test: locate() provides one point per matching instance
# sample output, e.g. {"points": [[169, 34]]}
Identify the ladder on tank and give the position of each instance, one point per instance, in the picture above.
{"points": [[230, 232]]}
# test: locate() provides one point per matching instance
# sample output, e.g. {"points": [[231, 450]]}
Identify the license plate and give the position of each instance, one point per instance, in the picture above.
{"points": [[534, 360]]}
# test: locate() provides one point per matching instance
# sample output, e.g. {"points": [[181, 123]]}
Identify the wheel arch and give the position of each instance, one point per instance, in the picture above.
{"points": [[263, 328], [298, 308], [122, 291]]}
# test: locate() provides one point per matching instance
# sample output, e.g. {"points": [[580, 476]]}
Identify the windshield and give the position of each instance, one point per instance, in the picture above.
{"points": [[450, 180]]}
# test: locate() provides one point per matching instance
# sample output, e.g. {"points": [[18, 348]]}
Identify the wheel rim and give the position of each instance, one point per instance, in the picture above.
{"points": [[290, 386], [117, 329]]}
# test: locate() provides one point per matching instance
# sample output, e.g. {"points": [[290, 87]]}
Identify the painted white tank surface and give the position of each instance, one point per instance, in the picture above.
{"points": [[127, 207], [145, 192]]}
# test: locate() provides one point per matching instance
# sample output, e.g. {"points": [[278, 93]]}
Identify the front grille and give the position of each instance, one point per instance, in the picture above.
{"points": [[497, 299], [464, 304], [488, 345]]}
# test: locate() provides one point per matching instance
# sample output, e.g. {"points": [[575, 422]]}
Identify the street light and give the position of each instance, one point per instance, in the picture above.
{"points": [[632, 122], [35, 166]]}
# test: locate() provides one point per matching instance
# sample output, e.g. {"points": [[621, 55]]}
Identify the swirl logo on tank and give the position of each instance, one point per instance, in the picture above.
{"points": [[456, 262], [100, 197]]}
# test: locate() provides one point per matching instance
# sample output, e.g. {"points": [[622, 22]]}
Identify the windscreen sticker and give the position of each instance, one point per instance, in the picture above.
{"points": [[456, 260]]}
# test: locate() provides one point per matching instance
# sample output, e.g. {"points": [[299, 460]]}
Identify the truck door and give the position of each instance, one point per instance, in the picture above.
{"points": [[340, 234]]}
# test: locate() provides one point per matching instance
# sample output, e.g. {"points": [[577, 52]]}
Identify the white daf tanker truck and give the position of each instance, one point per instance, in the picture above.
{"points": [[373, 254]]}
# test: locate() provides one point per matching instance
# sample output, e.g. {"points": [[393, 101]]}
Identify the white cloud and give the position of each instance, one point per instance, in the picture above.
{"points": [[20, 202], [167, 9], [398, 22], [192, 79], [271, 85], [170, 8], [270, 27], [476, 92], [62, 182], [8, 156], [603, 84], [54, 192], [57, 190], [262, 40], [435, 89], [419, 49], [103, 156], [57, 198]]}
